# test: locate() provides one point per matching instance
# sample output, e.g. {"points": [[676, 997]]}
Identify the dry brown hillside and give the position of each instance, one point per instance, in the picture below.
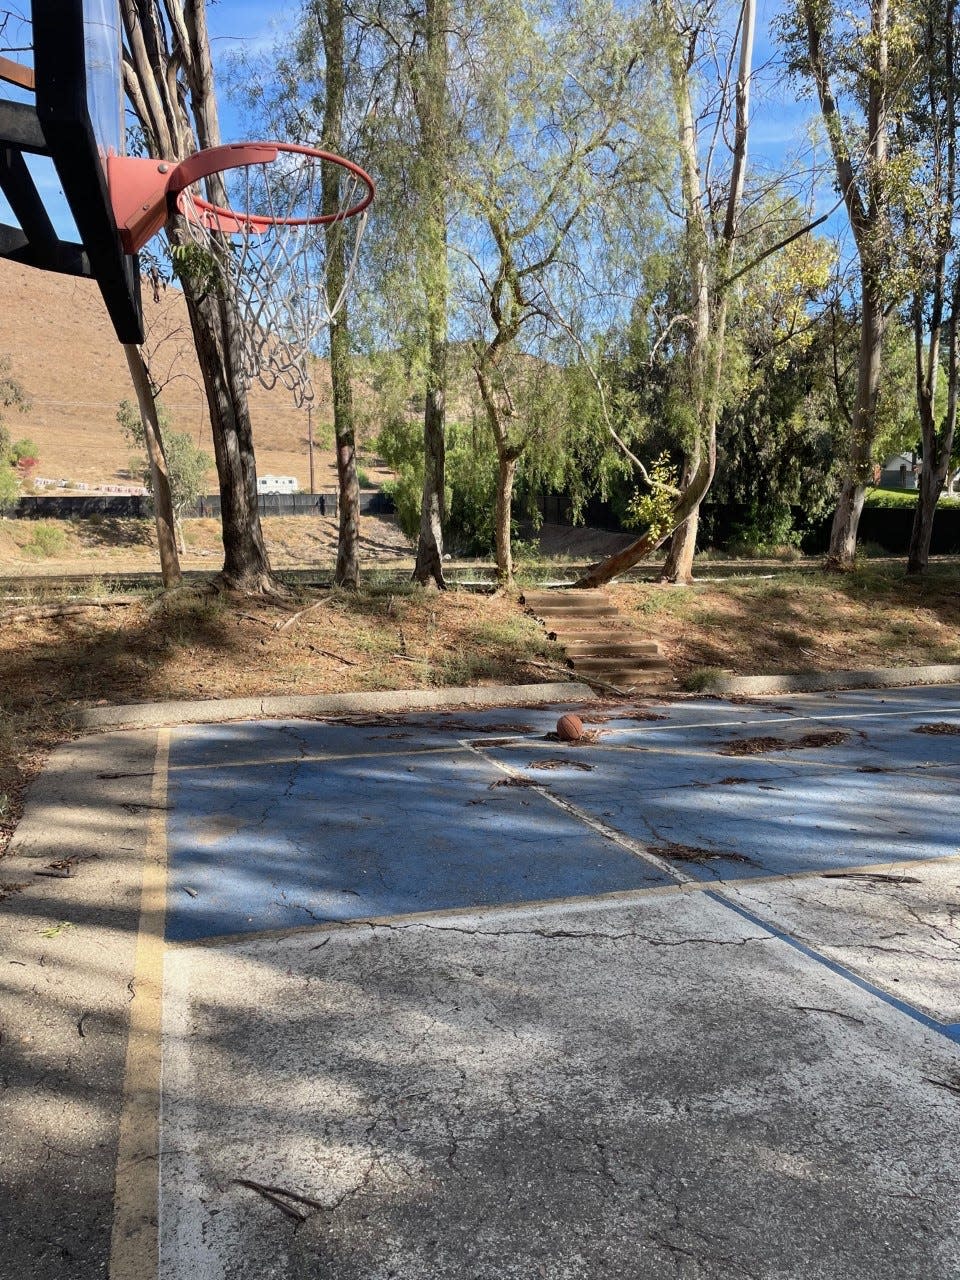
{"points": [[63, 349]]}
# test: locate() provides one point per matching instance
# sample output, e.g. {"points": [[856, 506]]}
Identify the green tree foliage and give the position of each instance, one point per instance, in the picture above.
{"points": [[187, 465], [12, 396], [568, 457], [859, 61], [23, 450]]}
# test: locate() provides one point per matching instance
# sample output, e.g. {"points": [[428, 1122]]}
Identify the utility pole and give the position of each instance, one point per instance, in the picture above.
{"points": [[310, 441]]}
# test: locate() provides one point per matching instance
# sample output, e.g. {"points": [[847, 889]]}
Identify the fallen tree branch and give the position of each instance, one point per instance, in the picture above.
{"points": [[575, 675], [279, 1196], [65, 609], [283, 626], [326, 653]]}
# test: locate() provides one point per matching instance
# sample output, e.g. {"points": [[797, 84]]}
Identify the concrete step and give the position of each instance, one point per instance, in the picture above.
{"points": [[550, 602], [612, 647], [561, 612], [608, 666]]}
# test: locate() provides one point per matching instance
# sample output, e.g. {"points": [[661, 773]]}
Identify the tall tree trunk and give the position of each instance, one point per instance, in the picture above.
{"points": [[506, 473], [710, 257], [937, 441], [922, 531], [431, 110], [330, 17], [846, 519], [159, 476], [165, 84], [867, 210], [246, 566], [678, 566]]}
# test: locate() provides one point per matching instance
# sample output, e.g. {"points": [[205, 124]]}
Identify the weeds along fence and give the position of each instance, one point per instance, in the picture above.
{"points": [[133, 506]]}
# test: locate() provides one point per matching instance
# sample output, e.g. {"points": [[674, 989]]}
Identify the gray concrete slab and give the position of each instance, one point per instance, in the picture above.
{"points": [[897, 927], [215, 710], [660, 1089]]}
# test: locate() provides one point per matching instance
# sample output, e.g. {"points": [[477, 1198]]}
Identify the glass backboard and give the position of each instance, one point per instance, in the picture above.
{"points": [[102, 45]]}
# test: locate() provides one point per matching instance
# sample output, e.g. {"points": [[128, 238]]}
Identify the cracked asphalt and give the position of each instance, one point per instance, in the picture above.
{"points": [[680, 1001]]}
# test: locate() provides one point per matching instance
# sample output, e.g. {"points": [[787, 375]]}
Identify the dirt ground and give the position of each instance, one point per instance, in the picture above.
{"points": [[109, 545], [63, 350], [874, 617]]}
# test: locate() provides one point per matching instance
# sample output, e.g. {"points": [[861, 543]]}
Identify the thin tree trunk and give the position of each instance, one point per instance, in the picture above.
{"points": [[330, 18], [706, 253], [843, 533], [868, 215], [678, 566], [159, 476], [506, 473], [431, 109], [938, 443], [923, 517]]}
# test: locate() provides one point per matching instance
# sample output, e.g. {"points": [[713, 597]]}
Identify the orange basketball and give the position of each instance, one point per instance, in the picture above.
{"points": [[569, 728]]}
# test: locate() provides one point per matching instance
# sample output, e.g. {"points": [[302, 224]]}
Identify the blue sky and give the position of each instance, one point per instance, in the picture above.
{"points": [[778, 126]]}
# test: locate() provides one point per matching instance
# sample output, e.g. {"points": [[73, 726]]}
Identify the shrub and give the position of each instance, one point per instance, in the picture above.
{"points": [[9, 487], [46, 540]]}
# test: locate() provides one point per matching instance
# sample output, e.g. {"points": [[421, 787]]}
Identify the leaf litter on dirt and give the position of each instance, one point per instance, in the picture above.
{"points": [[562, 764], [692, 853], [760, 746]]}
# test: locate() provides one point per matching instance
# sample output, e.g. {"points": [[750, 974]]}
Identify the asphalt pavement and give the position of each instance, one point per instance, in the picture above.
{"points": [[433, 994]]}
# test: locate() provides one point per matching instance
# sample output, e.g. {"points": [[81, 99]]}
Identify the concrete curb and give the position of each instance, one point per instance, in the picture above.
{"points": [[216, 710], [818, 681]]}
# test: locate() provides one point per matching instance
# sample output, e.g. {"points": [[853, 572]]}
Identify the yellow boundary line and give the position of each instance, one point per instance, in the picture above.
{"points": [[134, 1243]]}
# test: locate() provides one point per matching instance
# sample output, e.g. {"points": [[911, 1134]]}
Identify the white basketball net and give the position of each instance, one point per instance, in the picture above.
{"points": [[278, 272]]}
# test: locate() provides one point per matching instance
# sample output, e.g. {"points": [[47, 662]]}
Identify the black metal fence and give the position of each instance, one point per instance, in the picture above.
{"points": [[133, 506], [301, 504]]}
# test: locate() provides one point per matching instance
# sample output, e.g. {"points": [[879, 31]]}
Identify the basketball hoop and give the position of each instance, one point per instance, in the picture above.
{"points": [[262, 236]]}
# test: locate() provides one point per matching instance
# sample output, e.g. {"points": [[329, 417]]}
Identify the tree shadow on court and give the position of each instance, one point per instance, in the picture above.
{"points": [[449, 1097]]}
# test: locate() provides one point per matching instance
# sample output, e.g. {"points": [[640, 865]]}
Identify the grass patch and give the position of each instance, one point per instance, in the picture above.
{"points": [[46, 540], [701, 679], [891, 498]]}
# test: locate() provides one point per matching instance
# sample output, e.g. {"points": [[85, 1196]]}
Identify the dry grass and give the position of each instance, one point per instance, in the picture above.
{"points": [[103, 544], [874, 617], [214, 646]]}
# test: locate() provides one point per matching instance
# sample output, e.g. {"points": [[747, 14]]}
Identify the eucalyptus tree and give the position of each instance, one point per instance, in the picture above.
{"points": [[710, 207], [553, 111], [168, 79], [330, 18], [859, 61], [928, 129], [430, 92], [401, 63]]}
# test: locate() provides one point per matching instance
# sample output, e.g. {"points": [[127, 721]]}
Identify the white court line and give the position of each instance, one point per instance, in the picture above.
{"points": [[507, 740]]}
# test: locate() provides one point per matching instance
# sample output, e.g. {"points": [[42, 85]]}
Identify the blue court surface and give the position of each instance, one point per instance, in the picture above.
{"points": [[283, 825], [445, 996]]}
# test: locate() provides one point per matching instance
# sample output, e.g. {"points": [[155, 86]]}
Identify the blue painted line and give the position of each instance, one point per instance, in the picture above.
{"points": [[949, 1029]]}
